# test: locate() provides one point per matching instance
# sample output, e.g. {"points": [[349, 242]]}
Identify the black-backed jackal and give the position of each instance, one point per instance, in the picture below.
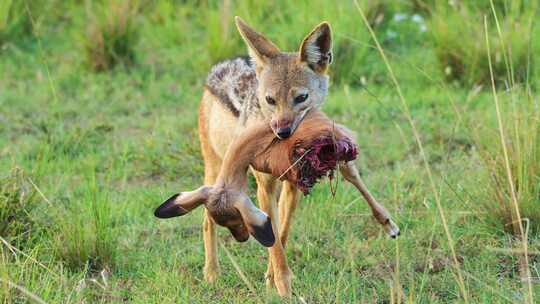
{"points": [[278, 88]]}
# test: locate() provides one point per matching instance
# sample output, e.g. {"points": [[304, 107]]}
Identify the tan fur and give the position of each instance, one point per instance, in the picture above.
{"points": [[212, 163], [257, 146], [282, 77]]}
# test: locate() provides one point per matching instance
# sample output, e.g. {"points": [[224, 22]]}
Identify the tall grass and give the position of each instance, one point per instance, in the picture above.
{"points": [[457, 30], [521, 119], [502, 6], [273, 18], [111, 34], [112, 30], [16, 206], [521, 164], [406, 111], [14, 20], [84, 237], [21, 20], [222, 40]]}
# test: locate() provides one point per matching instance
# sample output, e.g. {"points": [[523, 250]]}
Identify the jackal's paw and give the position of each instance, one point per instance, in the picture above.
{"points": [[211, 274], [392, 229], [283, 283]]}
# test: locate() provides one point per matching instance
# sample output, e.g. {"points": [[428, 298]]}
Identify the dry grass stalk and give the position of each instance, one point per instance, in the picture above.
{"points": [[517, 224], [407, 113]]}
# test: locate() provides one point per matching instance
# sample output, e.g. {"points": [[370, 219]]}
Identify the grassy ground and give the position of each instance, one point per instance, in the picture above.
{"points": [[86, 156]]}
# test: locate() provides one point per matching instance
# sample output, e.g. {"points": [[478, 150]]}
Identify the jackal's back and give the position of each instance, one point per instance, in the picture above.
{"points": [[234, 83]]}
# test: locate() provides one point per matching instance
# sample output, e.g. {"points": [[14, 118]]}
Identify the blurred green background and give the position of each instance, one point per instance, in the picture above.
{"points": [[98, 124]]}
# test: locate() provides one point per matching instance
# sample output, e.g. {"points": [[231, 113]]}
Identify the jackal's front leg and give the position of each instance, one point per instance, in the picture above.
{"points": [[280, 275], [212, 164], [211, 266], [350, 173], [288, 200]]}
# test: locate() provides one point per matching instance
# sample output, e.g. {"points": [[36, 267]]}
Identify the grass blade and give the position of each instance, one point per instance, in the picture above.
{"points": [[524, 261], [407, 113]]}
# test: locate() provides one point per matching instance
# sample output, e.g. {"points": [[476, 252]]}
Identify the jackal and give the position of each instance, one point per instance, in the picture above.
{"points": [[278, 88]]}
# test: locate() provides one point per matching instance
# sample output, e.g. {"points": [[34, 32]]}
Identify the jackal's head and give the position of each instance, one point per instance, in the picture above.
{"points": [[290, 84]]}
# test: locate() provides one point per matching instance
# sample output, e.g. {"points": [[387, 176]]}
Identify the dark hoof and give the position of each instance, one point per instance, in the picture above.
{"points": [[170, 209], [264, 234]]}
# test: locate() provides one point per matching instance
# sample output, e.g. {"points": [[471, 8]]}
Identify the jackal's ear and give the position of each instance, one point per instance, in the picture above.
{"points": [[182, 203], [257, 222], [316, 49], [260, 48]]}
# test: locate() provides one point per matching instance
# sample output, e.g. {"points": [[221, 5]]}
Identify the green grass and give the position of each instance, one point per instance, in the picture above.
{"points": [[86, 157], [16, 203], [111, 36], [458, 31]]}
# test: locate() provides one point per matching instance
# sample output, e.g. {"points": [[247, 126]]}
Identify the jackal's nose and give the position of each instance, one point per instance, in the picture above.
{"points": [[284, 132]]}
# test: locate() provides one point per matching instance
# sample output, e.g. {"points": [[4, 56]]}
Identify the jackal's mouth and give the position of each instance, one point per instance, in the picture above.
{"points": [[275, 132], [284, 131]]}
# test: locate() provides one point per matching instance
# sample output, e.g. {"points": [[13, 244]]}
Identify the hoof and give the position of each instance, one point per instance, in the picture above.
{"points": [[392, 229]]}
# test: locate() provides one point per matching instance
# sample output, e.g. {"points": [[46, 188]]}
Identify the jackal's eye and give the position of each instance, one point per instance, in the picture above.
{"points": [[300, 98], [271, 101]]}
